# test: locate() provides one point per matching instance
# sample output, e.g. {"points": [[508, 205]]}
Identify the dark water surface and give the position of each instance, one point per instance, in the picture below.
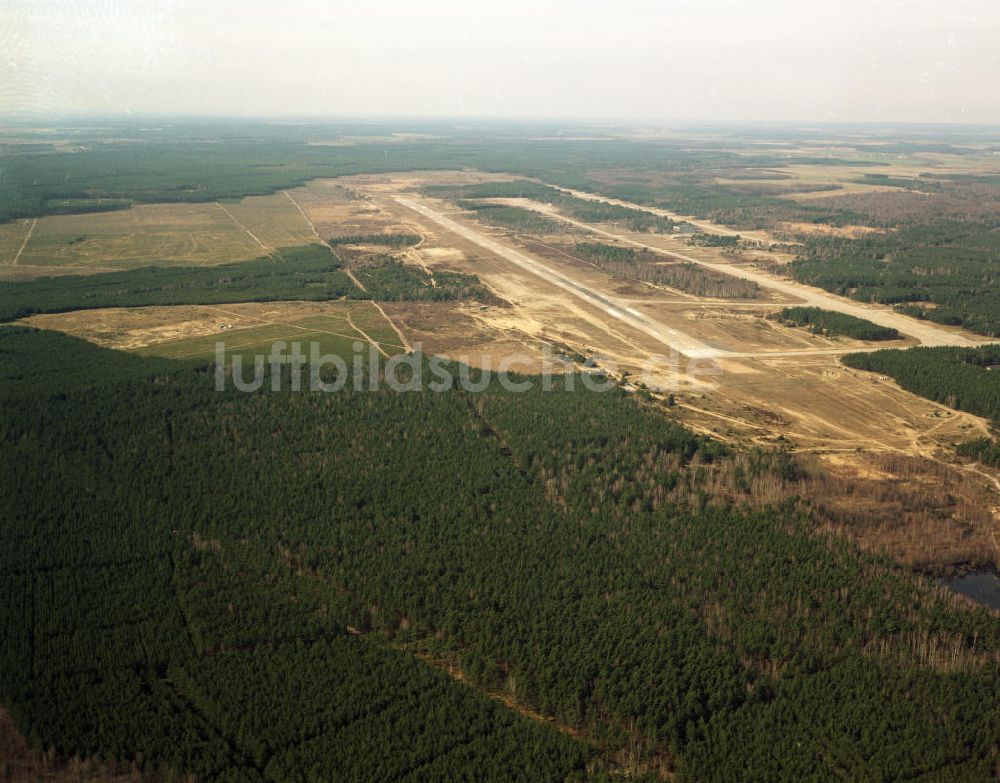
{"points": [[981, 586]]}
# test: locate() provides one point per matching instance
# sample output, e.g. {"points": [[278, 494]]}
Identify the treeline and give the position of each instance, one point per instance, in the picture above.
{"points": [[77, 206], [942, 271], [594, 211], [516, 218], [183, 568], [603, 253], [985, 450], [188, 162], [586, 210], [387, 240], [309, 272], [650, 267], [387, 279], [967, 379], [715, 240], [695, 191], [830, 322], [176, 167], [961, 378], [520, 188]]}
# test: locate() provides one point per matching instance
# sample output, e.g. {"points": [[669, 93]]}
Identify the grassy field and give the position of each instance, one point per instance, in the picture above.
{"points": [[307, 272], [179, 233], [338, 331], [275, 220], [164, 233], [12, 236]]}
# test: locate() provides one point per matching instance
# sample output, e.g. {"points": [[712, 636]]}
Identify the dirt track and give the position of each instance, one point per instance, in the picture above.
{"points": [[925, 332], [242, 227], [776, 385], [620, 311], [31, 229], [707, 226]]}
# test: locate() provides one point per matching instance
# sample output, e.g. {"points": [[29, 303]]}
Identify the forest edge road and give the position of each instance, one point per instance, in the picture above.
{"points": [[926, 333]]}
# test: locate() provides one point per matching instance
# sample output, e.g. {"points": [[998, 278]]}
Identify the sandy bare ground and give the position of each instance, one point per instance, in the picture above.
{"points": [[463, 332], [823, 229], [622, 309], [705, 225], [925, 332], [669, 337], [350, 274], [778, 385], [136, 328]]}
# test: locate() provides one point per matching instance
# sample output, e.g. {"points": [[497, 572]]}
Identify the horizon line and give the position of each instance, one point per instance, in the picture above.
{"points": [[27, 118]]}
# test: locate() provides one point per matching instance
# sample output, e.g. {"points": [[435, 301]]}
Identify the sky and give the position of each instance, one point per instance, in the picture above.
{"points": [[615, 60]]}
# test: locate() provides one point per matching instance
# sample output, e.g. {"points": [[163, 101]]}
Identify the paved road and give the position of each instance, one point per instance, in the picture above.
{"points": [[705, 225], [926, 332], [618, 309], [621, 311]]}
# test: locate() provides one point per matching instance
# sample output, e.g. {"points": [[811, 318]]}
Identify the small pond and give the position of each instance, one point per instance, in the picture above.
{"points": [[981, 586]]}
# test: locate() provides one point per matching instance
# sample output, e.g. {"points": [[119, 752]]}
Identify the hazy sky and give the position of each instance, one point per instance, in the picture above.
{"points": [[840, 60]]}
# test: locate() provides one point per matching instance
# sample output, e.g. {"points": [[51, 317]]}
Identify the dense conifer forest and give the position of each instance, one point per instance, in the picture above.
{"points": [[586, 210], [658, 269], [309, 272], [554, 585], [234, 585], [386, 278], [388, 240], [942, 271], [832, 323], [516, 218]]}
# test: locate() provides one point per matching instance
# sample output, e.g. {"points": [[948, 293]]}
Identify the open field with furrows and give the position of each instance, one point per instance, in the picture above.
{"points": [[211, 233], [807, 181], [274, 220], [183, 233], [13, 236], [335, 210], [192, 331]]}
